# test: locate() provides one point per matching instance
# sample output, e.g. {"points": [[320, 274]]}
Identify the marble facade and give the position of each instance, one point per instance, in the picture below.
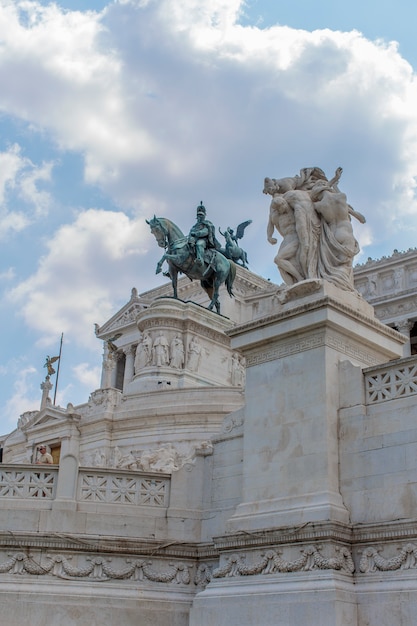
{"points": [[256, 468]]}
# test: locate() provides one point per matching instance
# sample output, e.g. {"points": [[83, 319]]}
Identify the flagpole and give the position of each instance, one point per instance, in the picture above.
{"points": [[59, 365]]}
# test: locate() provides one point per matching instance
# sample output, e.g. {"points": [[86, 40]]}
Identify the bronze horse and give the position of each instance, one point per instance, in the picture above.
{"points": [[180, 258]]}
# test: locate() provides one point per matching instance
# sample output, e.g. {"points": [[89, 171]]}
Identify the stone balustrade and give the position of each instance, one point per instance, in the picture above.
{"points": [[107, 486], [21, 481], [391, 381]]}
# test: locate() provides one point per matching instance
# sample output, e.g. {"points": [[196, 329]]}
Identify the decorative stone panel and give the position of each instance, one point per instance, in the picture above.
{"points": [[23, 483], [391, 383], [123, 489]]}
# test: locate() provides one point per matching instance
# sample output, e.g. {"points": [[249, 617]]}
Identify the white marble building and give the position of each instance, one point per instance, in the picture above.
{"points": [[257, 468], [390, 285]]}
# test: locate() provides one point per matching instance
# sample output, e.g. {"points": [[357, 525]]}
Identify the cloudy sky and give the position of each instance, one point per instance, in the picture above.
{"points": [[113, 111]]}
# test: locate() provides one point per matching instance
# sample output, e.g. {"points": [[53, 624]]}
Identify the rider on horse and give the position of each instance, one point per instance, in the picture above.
{"points": [[202, 235]]}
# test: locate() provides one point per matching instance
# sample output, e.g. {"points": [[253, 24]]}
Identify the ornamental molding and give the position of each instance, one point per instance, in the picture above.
{"points": [[385, 260], [407, 304], [310, 532], [115, 547], [217, 336], [273, 562], [124, 317], [203, 575], [385, 532], [162, 322], [321, 302], [106, 399], [93, 568], [183, 325], [320, 532], [372, 561], [311, 341], [232, 422]]}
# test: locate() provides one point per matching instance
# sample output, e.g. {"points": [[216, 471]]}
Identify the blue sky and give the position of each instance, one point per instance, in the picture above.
{"points": [[113, 111]]}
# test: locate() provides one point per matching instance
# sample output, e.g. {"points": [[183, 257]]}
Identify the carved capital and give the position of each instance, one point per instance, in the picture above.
{"points": [[404, 326]]}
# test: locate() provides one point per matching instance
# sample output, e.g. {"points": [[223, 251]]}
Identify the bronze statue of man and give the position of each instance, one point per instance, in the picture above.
{"points": [[202, 235]]}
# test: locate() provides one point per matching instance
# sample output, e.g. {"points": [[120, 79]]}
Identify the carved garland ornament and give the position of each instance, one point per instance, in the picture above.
{"points": [[97, 568], [272, 562], [371, 560]]}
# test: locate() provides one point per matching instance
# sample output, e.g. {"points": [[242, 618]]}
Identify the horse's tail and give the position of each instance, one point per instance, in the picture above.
{"points": [[230, 278]]}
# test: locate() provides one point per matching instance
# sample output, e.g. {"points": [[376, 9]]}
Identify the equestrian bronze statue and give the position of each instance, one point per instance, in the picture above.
{"points": [[196, 255]]}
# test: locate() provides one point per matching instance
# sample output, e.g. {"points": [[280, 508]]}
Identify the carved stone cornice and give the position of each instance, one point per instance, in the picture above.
{"points": [[386, 531], [309, 532], [314, 305], [385, 260], [344, 344], [388, 547], [102, 544]]}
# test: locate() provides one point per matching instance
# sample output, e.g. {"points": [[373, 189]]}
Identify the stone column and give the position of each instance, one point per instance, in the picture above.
{"points": [[404, 326], [66, 492], [130, 352], [108, 377], [114, 358]]}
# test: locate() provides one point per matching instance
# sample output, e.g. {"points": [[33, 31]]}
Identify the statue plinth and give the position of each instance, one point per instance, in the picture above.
{"points": [[291, 448], [182, 345]]}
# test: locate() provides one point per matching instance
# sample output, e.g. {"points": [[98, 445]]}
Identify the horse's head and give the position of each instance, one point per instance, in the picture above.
{"points": [[159, 230]]}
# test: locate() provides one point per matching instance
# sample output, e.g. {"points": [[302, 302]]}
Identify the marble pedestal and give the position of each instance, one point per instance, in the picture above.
{"points": [[291, 456], [286, 556]]}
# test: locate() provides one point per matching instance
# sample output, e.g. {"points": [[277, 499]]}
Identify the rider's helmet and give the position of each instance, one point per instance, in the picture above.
{"points": [[201, 210]]}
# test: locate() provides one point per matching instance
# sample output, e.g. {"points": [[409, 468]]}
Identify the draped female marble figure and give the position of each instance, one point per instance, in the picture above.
{"points": [[314, 219]]}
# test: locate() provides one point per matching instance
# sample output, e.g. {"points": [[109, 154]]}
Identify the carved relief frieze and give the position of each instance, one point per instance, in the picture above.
{"points": [[272, 562], [203, 331], [392, 310], [281, 350], [26, 419], [164, 458], [95, 568], [411, 273], [163, 322], [372, 561], [231, 422], [203, 575], [205, 448], [169, 351], [339, 342], [128, 317], [106, 399], [352, 349]]}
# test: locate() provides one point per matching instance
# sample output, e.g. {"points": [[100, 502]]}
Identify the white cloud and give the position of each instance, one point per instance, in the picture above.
{"points": [[8, 274], [90, 264], [87, 375], [164, 98], [23, 397], [170, 103], [21, 199]]}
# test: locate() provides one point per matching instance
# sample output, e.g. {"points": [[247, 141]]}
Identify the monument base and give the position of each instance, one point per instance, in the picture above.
{"points": [[289, 510], [277, 601], [293, 391]]}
